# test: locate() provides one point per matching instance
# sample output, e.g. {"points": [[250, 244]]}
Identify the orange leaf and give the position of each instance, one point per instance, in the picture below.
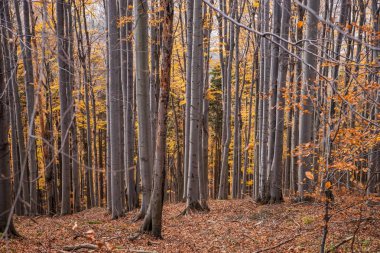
{"points": [[309, 175]]}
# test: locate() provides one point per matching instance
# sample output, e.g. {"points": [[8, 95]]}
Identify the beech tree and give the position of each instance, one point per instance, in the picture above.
{"points": [[307, 94], [6, 209], [166, 101], [153, 219], [115, 120], [142, 99]]}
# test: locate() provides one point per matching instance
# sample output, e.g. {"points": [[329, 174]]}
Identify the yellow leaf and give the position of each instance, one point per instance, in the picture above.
{"points": [[256, 4], [249, 146], [209, 95], [309, 175], [328, 185], [183, 102]]}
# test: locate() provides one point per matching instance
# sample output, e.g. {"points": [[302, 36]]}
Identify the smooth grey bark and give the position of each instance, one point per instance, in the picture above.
{"points": [[155, 41], [203, 182], [115, 120], [192, 200], [153, 219], [64, 106], [71, 108], [86, 64], [25, 37], [254, 83], [15, 156], [223, 185], [30, 97], [18, 140], [296, 112], [373, 177], [142, 99], [258, 108], [189, 56], [277, 164], [344, 7], [237, 127], [127, 88], [6, 222], [84, 58], [265, 72], [307, 94], [274, 51], [108, 146]]}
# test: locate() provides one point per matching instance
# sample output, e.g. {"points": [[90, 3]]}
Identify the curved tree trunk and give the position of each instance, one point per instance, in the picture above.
{"points": [[153, 219]]}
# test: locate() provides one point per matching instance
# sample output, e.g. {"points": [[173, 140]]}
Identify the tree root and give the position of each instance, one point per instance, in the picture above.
{"points": [[195, 207], [139, 216], [11, 232]]}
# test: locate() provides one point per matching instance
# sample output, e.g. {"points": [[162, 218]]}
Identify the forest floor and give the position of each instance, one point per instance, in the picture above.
{"points": [[230, 226]]}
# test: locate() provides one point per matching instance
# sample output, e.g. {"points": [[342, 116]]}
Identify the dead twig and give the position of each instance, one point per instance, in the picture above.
{"points": [[340, 244], [80, 246], [134, 236], [142, 251], [278, 245]]}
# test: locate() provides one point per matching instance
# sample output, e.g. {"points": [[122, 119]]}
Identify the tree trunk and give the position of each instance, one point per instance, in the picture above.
{"points": [[265, 71], [276, 27], [223, 185], [307, 94], [115, 120], [142, 95], [18, 150], [189, 57], [277, 164], [6, 210], [153, 219], [64, 108], [192, 201]]}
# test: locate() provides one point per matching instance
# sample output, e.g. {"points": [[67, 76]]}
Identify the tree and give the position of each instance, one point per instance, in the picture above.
{"points": [[115, 120], [192, 200], [6, 208], [15, 105], [276, 165], [142, 97], [127, 87], [26, 47], [308, 82], [153, 219], [64, 110], [189, 57], [223, 185]]}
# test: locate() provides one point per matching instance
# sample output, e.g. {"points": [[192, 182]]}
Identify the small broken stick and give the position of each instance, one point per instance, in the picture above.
{"points": [[80, 246]]}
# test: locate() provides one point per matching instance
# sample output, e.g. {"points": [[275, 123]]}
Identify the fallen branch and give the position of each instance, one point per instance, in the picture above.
{"points": [[134, 236], [340, 244], [142, 251], [80, 246], [278, 245]]}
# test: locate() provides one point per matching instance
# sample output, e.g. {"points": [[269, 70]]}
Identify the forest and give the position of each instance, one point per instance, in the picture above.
{"points": [[189, 126]]}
